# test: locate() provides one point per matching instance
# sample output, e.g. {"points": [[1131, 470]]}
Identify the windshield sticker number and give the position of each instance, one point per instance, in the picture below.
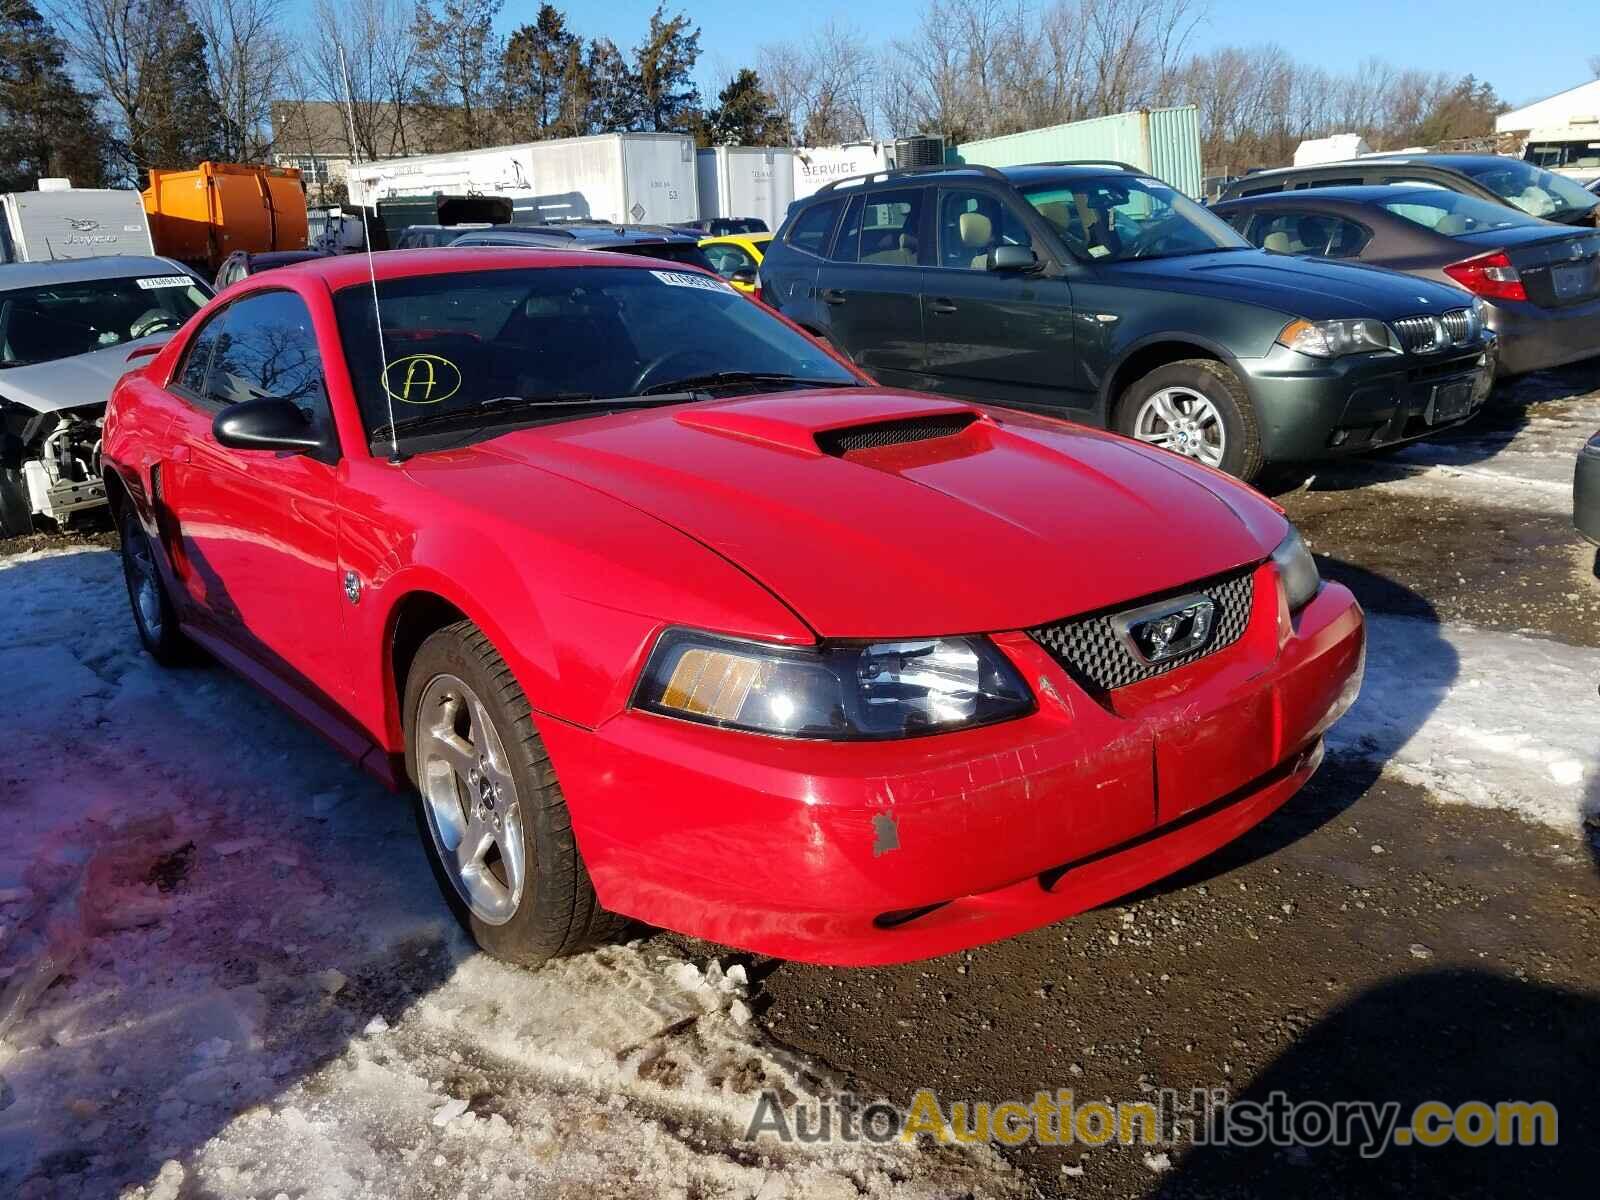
{"points": [[684, 279], [422, 379], [150, 282]]}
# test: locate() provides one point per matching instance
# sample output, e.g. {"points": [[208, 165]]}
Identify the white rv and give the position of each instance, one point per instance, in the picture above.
{"points": [[638, 178], [1572, 149], [60, 221], [746, 181]]}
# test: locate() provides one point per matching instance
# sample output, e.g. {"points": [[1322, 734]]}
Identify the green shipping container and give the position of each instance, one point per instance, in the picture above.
{"points": [[1162, 141]]}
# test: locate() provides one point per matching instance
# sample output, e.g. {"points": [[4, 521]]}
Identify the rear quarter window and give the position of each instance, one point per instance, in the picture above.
{"points": [[811, 229]]}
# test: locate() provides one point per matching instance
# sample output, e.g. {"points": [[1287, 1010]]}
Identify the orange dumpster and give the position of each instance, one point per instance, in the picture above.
{"points": [[201, 216]]}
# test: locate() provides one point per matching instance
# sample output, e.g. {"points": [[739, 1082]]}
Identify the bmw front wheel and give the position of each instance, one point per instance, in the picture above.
{"points": [[1197, 408]]}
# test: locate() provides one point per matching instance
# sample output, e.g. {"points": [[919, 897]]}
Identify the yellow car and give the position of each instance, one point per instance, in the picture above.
{"points": [[736, 256]]}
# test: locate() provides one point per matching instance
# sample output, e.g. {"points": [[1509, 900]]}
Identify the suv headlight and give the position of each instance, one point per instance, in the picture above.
{"points": [[1331, 339], [842, 692], [1297, 569]]}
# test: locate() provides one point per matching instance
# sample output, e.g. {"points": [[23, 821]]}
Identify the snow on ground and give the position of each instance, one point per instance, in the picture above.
{"points": [[1480, 718], [225, 971]]}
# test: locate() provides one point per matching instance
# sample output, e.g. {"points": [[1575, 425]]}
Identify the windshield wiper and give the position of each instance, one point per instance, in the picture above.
{"points": [[494, 410], [733, 378], [19, 362]]}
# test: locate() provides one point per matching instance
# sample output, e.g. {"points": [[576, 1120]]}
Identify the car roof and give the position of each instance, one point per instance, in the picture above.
{"points": [[346, 270], [75, 270], [1032, 173], [282, 257], [1350, 194], [1448, 162], [754, 238], [586, 235]]}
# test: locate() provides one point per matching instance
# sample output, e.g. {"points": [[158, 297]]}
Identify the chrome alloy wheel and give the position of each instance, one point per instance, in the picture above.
{"points": [[144, 585], [470, 799], [1183, 420]]}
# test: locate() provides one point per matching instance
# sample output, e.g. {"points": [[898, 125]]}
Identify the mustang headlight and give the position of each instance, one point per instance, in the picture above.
{"points": [[1297, 569], [1331, 339], [838, 691]]}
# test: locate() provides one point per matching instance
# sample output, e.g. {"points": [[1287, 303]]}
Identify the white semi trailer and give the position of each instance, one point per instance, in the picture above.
{"points": [[638, 178], [746, 181]]}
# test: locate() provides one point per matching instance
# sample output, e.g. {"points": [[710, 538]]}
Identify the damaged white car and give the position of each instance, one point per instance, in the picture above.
{"points": [[67, 331]]}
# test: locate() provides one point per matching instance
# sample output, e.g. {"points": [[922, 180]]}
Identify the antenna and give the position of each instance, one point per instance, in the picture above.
{"points": [[372, 272]]}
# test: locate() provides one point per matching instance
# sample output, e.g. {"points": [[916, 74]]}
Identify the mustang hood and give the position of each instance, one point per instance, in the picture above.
{"points": [[65, 383], [883, 514], [1314, 288]]}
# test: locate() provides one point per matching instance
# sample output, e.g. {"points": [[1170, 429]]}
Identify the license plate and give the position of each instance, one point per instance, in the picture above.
{"points": [[1571, 279], [1450, 402]]}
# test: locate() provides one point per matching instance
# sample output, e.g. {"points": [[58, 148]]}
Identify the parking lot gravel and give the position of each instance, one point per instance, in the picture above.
{"points": [[1421, 923]]}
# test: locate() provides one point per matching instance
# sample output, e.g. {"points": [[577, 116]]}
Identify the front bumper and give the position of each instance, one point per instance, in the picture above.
{"points": [[862, 853], [1309, 409], [1586, 491], [1535, 339]]}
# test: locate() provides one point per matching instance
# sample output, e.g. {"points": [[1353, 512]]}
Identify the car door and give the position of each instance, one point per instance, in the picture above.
{"points": [[871, 286], [256, 532], [995, 335]]}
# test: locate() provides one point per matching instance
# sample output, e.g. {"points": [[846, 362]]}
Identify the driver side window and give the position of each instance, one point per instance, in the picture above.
{"points": [[267, 347], [972, 223]]}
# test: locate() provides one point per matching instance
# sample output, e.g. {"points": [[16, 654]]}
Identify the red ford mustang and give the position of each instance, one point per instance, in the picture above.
{"points": [[665, 612]]}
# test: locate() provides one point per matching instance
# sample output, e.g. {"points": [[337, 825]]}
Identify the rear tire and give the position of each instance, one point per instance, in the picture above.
{"points": [[153, 614], [490, 811], [1196, 407], [16, 514]]}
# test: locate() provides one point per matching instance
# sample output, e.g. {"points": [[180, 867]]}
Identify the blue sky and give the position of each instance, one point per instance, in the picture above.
{"points": [[1527, 50]]}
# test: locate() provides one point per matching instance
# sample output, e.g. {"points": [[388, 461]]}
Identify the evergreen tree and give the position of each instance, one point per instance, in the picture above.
{"points": [[47, 126], [459, 57], [534, 73], [746, 115], [667, 98], [613, 89]]}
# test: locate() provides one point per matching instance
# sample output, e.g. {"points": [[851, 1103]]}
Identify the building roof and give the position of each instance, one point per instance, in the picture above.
{"points": [[1580, 101]]}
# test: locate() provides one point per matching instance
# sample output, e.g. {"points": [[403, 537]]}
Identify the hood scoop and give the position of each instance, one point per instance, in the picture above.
{"points": [[879, 434]]}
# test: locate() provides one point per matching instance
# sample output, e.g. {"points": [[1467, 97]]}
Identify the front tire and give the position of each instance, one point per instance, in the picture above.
{"points": [[16, 514], [1198, 408], [490, 811]]}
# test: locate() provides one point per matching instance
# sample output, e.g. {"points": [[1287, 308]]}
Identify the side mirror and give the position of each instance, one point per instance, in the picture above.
{"points": [[1013, 259], [743, 275], [266, 424]]}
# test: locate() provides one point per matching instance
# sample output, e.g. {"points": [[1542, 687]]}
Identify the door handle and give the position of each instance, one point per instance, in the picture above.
{"points": [[832, 296], [941, 306]]}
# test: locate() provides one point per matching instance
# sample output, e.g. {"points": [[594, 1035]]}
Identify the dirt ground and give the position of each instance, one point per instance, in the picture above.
{"points": [[1373, 940]]}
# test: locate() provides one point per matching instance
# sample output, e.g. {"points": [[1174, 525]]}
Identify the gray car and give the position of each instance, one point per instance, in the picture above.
{"points": [[1540, 281], [67, 332]]}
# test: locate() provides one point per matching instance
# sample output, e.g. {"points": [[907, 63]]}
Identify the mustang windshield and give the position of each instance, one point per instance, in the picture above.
{"points": [[1121, 217], [490, 345], [62, 320]]}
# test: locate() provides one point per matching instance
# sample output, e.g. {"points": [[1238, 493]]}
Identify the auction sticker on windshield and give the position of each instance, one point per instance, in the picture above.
{"points": [[684, 279], [165, 281]]}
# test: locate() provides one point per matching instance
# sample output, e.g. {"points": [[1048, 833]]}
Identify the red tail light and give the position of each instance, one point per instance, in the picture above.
{"points": [[1489, 275]]}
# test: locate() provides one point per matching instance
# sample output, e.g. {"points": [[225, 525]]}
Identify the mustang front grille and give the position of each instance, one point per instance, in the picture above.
{"points": [[1094, 652]]}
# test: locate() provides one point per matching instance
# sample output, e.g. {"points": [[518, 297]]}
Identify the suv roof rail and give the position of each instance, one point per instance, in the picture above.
{"points": [[897, 172], [1091, 162]]}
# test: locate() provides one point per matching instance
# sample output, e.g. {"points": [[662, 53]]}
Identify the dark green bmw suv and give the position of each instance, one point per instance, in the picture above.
{"points": [[1094, 292]]}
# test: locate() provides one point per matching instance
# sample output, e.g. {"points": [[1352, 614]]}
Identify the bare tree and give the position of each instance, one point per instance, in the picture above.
{"points": [[249, 58], [147, 59], [825, 86], [381, 65]]}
